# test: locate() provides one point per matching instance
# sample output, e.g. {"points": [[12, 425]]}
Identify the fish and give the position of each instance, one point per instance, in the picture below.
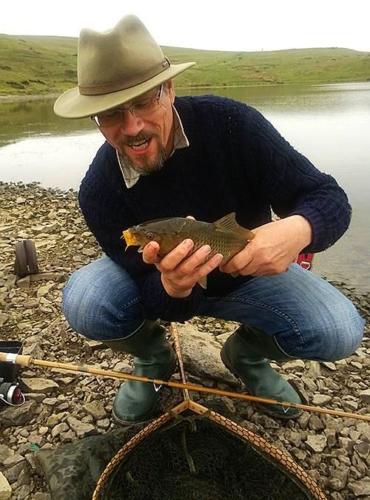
{"points": [[224, 236]]}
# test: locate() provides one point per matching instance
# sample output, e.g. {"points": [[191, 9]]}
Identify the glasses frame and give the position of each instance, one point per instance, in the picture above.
{"points": [[132, 108]]}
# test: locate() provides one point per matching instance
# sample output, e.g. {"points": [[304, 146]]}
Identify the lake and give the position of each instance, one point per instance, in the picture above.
{"points": [[330, 124]]}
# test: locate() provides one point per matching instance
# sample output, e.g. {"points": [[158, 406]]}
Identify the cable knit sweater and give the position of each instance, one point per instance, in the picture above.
{"points": [[236, 162]]}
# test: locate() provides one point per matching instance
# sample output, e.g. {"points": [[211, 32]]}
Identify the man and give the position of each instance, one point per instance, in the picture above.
{"points": [[205, 157]]}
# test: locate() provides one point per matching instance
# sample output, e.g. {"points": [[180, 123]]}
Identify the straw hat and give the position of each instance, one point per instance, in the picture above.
{"points": [[115, 67]]}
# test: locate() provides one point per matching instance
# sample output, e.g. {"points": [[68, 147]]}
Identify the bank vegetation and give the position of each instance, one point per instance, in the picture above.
{"points": [[34, 65]]}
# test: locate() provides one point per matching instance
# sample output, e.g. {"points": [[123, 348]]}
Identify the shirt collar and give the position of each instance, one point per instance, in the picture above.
{"points": [[180, 141]]}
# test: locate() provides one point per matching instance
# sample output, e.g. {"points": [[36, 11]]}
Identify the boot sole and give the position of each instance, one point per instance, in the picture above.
{"points": [[264, 407]]}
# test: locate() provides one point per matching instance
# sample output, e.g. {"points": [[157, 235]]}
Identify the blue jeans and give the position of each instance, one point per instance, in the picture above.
{"points": [[309, 318]]}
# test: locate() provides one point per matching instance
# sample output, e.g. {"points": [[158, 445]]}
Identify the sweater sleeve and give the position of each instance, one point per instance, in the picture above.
{"points": [[294, 186], [106, 217]]}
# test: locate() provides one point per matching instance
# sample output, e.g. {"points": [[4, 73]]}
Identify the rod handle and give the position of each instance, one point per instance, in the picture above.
{"points": [[17, 359]]}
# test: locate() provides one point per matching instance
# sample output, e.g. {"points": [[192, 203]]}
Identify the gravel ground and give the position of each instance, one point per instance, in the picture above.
{"points": [[62, 407]]}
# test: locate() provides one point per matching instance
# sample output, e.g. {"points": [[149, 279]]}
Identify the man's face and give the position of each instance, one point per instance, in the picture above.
{"points": [[145, 139]]}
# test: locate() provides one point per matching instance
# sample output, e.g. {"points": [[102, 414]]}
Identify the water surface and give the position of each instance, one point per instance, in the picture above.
{"points": [[330, 124]]}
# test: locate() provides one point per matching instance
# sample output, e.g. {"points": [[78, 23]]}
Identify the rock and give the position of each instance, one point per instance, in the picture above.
{"points": [[331, 366], [316, 443], [363, 449], [321, 399], [123, 366], [96, 409], [360, 488], [5, 452], [3, 318], [44, 290], [41, 496], [24, 492], [201, 355], [43, 385], [18, 415], [365, 396], [315, 423], [5, 489], [294, 364], [314, 369], [58, 429], [80, 428], [12, 473]]}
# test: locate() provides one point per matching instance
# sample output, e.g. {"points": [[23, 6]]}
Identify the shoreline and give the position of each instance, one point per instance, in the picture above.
{"points": [[334, 451], [10, 98]]}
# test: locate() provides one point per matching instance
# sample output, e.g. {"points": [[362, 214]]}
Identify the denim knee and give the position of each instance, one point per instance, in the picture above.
{"points": [[101, 301], [331, 336]]}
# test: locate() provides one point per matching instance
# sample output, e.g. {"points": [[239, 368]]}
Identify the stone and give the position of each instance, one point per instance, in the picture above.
{"points": [[58, 429], [365, 396], [18, 415], [321, 399], [360, 488], [295, 364], [5, 488], [96, 409], [80, 428], [41, 496], [316, 443], [201, 355], [5, 452], [363, 449], [315, 423], [329, 365], [38, 384]]}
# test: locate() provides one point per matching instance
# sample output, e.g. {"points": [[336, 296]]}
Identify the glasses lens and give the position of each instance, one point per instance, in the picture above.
{"points": [[140, 108]]}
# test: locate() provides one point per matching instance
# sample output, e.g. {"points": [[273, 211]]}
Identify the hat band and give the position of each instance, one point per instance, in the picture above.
{"points": [[128, 83]]}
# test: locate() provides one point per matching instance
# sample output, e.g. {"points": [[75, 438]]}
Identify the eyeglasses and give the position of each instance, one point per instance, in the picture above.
{"points": [[141, 108]]}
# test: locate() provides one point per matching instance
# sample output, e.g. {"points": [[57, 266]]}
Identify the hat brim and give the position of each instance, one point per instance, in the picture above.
{"points": [[72, 104]]}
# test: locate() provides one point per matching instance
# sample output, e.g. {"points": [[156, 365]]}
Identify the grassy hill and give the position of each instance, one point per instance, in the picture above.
{"points": [[31, 65]]}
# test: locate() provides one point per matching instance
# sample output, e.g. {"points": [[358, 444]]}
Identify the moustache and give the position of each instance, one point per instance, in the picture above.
{"points": [[141, 137]]}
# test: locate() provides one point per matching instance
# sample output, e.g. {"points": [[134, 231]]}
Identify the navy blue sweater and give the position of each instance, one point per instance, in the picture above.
{"points": [[236, 162]]}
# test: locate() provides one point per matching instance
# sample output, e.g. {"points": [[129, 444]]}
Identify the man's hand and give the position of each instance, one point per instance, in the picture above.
{"points": [[180, 270], [275, 246]]}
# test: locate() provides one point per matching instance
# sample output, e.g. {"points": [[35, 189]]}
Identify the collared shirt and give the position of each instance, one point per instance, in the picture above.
{"points": [[130, 176]]}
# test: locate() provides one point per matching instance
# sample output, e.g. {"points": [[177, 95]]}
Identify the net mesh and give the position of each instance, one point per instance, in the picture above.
{"points": [[192, 458]]}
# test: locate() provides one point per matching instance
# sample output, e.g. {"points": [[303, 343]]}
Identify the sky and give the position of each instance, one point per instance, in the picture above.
{"points": [[239, 25]]}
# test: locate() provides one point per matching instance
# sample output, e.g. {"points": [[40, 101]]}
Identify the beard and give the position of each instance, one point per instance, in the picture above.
{"points": [[143, 166]]}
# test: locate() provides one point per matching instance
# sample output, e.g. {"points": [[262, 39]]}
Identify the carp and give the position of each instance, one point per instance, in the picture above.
{"points": [[224, 236]]}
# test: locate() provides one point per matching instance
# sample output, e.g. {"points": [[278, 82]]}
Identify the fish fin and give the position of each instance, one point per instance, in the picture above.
{"points": [[229, 223], [235, 275], [203, 282]]}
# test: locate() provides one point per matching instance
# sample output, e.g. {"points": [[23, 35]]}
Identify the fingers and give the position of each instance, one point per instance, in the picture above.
{"points": [[209, 266], [241, 261], [178, 254], [183, 261], [150, 253]]}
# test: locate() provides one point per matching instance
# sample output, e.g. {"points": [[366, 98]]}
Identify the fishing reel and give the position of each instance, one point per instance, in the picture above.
{"points": [[10, 393]]}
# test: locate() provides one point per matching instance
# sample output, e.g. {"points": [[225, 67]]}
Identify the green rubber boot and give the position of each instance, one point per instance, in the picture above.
{"points": [[135, 402], [244, 354]]}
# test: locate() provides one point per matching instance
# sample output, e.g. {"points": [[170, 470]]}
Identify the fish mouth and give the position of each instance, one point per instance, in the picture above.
{"points": [[129, 238]]}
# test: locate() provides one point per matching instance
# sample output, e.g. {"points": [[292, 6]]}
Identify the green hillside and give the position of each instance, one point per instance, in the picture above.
{"points": [[32, 65]]}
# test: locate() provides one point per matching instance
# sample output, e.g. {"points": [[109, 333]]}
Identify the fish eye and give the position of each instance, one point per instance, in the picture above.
{"points": [[150, 235]]}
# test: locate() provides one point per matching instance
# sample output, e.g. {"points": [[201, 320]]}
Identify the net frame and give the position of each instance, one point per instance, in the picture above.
{"points": [[260, 444]]}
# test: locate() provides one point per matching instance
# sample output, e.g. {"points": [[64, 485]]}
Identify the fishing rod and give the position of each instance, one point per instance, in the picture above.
{"points": [[83, 368]]}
